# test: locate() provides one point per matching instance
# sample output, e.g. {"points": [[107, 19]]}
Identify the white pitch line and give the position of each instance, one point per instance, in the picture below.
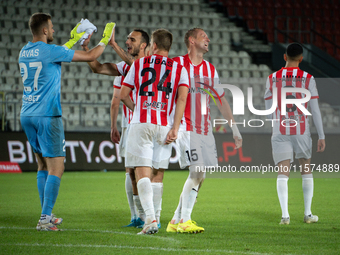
{"points": [[104, 231], [134, 247]]}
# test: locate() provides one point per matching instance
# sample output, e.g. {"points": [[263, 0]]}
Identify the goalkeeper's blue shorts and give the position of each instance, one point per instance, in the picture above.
{"points": [[45, 135]]}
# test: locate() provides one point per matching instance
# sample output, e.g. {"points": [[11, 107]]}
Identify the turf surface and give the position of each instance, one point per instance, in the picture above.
{"points": [[240, 216]]}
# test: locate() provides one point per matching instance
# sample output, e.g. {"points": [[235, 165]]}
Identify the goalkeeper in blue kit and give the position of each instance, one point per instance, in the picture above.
{"points": [[40, 68]]}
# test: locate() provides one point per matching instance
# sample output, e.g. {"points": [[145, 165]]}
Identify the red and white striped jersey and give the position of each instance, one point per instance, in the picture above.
{"points": [[126, 112], [123, 68], [295, 122], [202, 77], [154, 81]]}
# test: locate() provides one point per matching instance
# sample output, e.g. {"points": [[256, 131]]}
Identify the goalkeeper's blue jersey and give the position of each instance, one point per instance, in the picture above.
{"points": [[40, 68]]}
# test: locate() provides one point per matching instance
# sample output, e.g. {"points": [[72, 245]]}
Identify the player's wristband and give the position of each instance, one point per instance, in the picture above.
{"points": [[236, 132]]}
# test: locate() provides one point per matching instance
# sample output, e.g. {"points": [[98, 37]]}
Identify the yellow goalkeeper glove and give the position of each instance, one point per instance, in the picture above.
{"points": [[74, 38], [107, 34]]}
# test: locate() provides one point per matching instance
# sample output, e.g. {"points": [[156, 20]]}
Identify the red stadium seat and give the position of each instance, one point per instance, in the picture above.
{"points": [[250, 22], [231, 8], [317, 10], [269, 25], [258, 7], [326, 11], [318, 25], [306, 24], [278, 9], [307, 10], [270, 12], [288, 9], [337, 37], [298, 10], [318, 42], [271, 37], [280, 23], [260, 23], [249, 7], [293, 23], [281, 37], [240, 9], [335, 10]]}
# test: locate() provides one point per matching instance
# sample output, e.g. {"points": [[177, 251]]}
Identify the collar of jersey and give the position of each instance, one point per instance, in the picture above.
{"points": [[290, 68], [187, 56], [158, 55]]}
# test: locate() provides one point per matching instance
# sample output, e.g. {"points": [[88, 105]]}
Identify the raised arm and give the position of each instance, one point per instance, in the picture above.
{"points": [[93, 54], [87, 56], [123, 54], [106, 68]]}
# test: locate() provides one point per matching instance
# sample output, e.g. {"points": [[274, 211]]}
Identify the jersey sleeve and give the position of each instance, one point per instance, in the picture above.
{"points": [[129, 80], [312, 88], [268, 93], [117, 82], [122, 68], [184, 79], [220, 91], [60, 54]]}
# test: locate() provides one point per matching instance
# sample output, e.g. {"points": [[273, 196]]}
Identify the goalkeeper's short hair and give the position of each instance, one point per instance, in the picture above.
{"points": [[37, 21]]}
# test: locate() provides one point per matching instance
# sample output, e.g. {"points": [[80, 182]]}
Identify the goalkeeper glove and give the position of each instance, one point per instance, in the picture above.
{"points": [[74, 38], [107, 34]]}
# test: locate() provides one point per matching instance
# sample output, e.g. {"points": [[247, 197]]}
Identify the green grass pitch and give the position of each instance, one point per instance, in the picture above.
{"points": [[240, 216]]}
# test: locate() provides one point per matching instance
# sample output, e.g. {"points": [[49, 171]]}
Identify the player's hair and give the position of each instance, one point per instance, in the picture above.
{"points": [[145, 36], [191, 32], [294, 51], [37, 21], [162, 38]]}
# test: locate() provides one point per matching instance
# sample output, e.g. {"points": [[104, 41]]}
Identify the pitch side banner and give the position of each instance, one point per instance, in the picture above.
{"points": [[95, 151], [84, 151], [254, 159]]}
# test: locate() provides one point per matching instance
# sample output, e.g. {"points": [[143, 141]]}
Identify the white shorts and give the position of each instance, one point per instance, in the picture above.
{"points": [[122, 142], [284, 147], [202, 150], [145, 146], [183, 144]]}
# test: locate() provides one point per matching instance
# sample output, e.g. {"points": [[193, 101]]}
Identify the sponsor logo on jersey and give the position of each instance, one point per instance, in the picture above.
{"points": [[158, 106]]}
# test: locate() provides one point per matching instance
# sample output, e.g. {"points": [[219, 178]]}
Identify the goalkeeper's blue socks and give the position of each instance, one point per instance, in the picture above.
{"points": [[41, 182], [51, 194]]}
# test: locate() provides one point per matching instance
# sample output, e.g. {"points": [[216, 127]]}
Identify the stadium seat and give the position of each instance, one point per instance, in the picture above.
{"points": [[150, 14], [225, 74], [2, 64], [5, 38], [11, 10]]}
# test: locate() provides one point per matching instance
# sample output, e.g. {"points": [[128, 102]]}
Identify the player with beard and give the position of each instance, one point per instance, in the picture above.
{"points": [[158, 84], [40, 68], [195, 139], [136, 43]]}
